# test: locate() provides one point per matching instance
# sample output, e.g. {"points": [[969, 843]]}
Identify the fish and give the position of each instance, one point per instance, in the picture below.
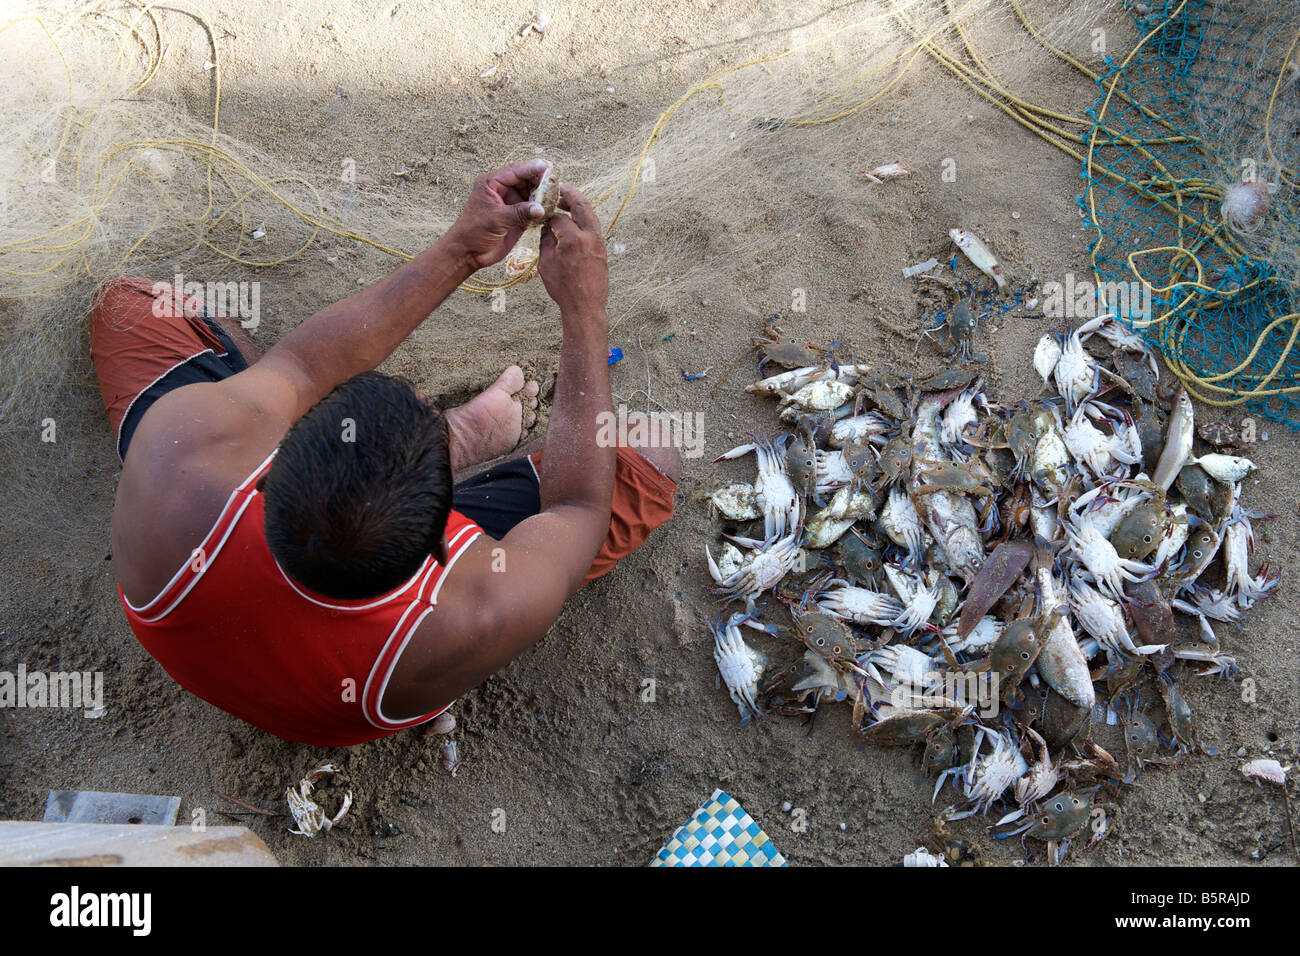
{"points": [[1178, 441], [978, 253]]}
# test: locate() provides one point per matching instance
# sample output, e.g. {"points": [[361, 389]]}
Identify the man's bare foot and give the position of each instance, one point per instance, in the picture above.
{"points": [[491, 423]]}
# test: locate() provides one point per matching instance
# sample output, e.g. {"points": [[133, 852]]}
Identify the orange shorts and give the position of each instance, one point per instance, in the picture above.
{"points": [[140, 330], [643, 500]]}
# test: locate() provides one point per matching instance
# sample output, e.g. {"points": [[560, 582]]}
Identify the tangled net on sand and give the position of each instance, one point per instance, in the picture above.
{"points": [[109, 166], [1191, 167], [115, 161]]}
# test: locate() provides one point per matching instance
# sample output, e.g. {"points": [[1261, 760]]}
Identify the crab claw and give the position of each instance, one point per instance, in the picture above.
{"points": [[714, 571], [738, 452]]}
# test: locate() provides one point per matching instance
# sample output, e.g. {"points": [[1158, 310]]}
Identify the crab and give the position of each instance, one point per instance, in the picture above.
{"points": [[1182, 723], [968, 478], [1059, 820], [1238, 542], [1089, 546], [1022, 434], [918, 600], [1043, 775], [961, 417], [810, 676], [955, 332], [1142, 741], [1216, 604], [765, 566], [1075, 371], [900, 520], [801, 461], [992, 774], [1216, 665], [895, 459], [1115, 500], [860, 605], [781, 504], [1124, 339], [869, 426], [982, 636], [737, 501], [1220, 433], [1092, 447], [831, 471], [776, 348], [899, 667], [824, 634], [1143, 528], [881, 389], [1050, 459], [739, 664], [307, 814], [1100, 616]]}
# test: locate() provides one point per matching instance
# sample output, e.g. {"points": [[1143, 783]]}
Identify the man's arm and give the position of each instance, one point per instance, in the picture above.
{"points": [[357, 333], [504, 596]]}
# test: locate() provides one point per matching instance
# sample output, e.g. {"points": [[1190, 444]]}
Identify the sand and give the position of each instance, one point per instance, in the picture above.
{"points": [[559, 750]]}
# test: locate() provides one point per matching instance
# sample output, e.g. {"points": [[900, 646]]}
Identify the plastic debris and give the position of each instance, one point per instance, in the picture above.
{"points": [[920, 267], [921, 857]]}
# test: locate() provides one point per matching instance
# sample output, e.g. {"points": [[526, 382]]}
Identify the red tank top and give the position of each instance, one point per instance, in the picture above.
{"points": [[232, 628]]}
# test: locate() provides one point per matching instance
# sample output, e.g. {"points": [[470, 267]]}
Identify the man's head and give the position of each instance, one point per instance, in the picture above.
{"points": [[360, 490]]}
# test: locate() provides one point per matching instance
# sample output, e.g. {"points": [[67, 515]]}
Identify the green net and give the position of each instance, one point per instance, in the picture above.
{"points": [[1207, 106]]}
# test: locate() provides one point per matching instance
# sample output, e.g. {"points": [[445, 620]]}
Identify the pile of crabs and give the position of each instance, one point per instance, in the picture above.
{"points": [[989, 581]]}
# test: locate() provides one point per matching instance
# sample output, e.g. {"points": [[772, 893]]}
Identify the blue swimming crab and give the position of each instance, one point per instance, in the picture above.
{"points": [[954, 333]]}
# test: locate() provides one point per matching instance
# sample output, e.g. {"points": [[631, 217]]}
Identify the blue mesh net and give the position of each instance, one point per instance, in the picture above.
{"points": [[1181, 120]]}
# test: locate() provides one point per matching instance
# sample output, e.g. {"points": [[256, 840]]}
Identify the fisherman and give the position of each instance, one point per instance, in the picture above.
{"points": [[313, 546]]}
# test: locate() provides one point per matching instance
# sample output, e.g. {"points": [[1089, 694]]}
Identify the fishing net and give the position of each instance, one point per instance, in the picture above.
{"points": [[115, 161], [1206, 104]]}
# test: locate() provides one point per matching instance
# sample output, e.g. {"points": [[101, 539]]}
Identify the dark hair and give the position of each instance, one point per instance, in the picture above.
{"points": [[359, 492]]}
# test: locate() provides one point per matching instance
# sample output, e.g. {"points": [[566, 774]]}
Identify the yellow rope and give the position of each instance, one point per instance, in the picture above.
{"points": [[1202, 387], [1179, 194]]}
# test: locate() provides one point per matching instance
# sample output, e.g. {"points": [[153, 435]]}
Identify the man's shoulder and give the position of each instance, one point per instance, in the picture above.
{"points": [[192, 448], [202, 431]]}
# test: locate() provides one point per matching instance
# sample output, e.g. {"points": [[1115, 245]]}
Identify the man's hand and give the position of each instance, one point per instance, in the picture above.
{"points": [[573, 259], [496, 214], [489, 616]]}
